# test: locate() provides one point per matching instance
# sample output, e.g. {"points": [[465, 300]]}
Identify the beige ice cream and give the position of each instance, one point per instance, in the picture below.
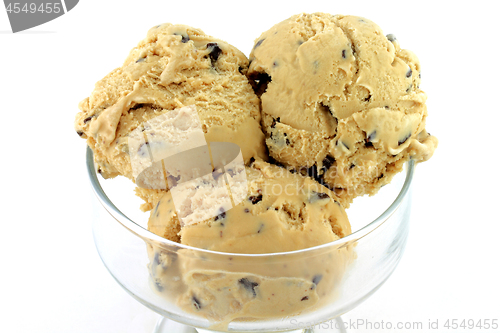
{"points": [[342, 111], [281, 212], [340, 101], [173, 67]]}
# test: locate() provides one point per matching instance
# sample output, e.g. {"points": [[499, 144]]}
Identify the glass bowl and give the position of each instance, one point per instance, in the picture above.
{"points": [[202, 291]]}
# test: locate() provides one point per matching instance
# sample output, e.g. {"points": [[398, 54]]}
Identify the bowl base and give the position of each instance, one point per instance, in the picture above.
{"points": [[165, 325]]}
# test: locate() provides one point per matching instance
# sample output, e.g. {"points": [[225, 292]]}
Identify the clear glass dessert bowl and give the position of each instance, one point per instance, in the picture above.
{"points": [[197, 290]]}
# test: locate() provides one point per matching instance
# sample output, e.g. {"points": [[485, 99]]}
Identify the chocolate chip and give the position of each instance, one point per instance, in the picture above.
{"points": [[156, 259], [215, 52], [217, 173], [142, 151], [391, 37], [156, 207], [316, 196], [352, 166], [259, 82], [158, 286], [249, 285], [328, 162], [86, 120], [369, 139], [196, 303], [316, 279], [353, 50], [322, 195], [258, 43], [367, 99], [275, 63], [408, 74], [371, 136], [344, 54], [305, 298], [409, 88], [246, 210], [273, 125], [403, 140], [185, 38], [222, 214], [381, 176], [260, 228], [140, 60], [80, 133], [231, 172], [387, 107], [313, 172], [255, 198], [137, 106], [172, 181]]}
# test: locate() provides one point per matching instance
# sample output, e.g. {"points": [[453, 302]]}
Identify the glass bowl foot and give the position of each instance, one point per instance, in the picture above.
{"points": [[165, 325]]}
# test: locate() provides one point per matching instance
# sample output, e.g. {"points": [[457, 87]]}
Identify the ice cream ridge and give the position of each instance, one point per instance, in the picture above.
{"points": [[341, 101], [258, 155]]}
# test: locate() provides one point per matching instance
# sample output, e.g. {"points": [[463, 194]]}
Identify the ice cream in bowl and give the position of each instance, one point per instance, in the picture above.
{"points": [[254, 173], [262, 292]]}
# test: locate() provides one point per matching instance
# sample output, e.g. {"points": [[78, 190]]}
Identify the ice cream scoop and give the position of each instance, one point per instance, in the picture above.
{"points": [[341, 102], [281, 212], [173, 67]]}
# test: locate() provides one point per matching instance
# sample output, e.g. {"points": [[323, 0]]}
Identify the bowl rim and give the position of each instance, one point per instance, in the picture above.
{"points": [[150, 237]]}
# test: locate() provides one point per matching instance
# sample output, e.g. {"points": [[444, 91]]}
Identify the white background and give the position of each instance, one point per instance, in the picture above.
{"points": [[52, 279]]}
